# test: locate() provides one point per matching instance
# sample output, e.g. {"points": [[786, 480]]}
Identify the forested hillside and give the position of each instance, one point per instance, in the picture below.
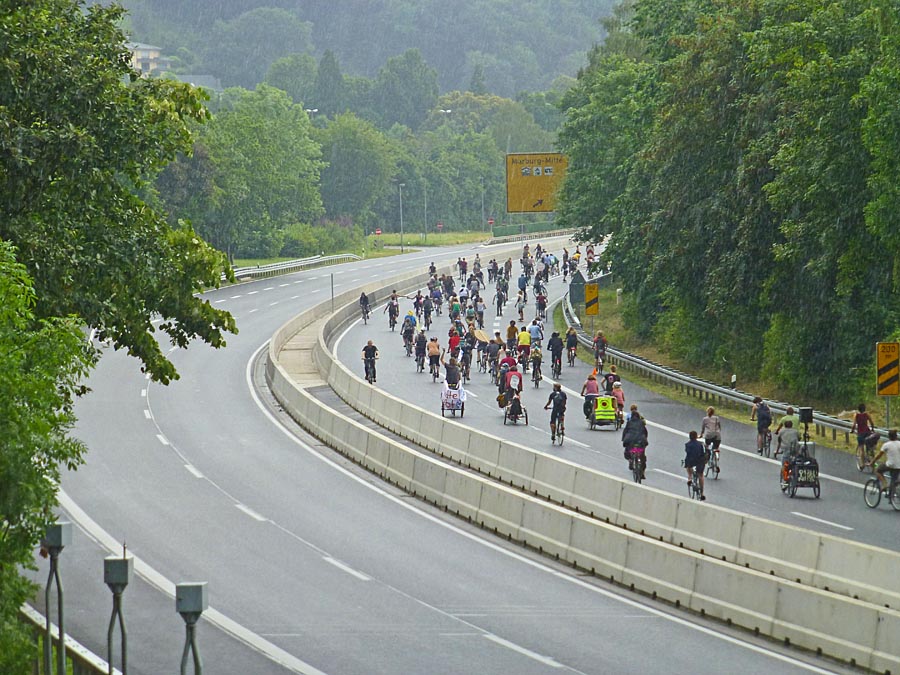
{"points": [[744, 154], [517, 46]]}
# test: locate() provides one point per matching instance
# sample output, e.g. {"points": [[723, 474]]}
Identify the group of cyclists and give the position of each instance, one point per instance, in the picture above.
{"points": [[508, 358]]}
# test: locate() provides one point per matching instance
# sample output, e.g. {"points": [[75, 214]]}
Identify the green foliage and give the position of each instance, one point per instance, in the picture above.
{"points": [[743, 155], [42, 363], [296, 75], [302, 240], [242, 49], [360, 164], [405, 90], [78, 143], [521, 46], [254, 172]]}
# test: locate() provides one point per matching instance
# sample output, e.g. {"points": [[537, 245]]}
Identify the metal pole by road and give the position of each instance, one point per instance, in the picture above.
{"points": [[400, 185], [482, 204], [57, 537], [425, 225]]}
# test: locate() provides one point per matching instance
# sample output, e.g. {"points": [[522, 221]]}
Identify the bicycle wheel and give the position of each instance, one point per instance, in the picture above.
{"points": [[872, 493], [636, 471], [861, 459], [894, 496], [767, 445]]}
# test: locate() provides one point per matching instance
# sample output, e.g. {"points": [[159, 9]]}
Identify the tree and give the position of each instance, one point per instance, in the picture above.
{"points": [[405, 90], [241, 50], [330, 93], [266, 172], [295, 74], [79, 142], [41, 366], [360, 165]]}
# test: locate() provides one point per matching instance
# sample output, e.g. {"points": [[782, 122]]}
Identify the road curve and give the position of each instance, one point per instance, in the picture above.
{"points": [[314, 566]]}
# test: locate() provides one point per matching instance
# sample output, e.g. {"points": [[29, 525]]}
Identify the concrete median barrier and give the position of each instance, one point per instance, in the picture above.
{"points": [[785, 551], [500, 510], [597, 494], [516, 465], [647, 510], [548, 530], [745, 597], [554, 478], [851, 571], [654, 567], [715, 532]]}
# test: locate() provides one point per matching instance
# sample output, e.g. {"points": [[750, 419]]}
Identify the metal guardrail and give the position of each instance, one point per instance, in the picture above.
{"points": [[694, 386], [81, 660], [274, 269], [528, 237]]}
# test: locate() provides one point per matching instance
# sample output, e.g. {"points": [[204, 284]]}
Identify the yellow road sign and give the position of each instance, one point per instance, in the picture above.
{"points": [[532, 181], [591, 299], [888, 364]]}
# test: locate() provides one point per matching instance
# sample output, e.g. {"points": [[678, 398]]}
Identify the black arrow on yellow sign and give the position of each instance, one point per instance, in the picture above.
{"points": [[538, 203]]}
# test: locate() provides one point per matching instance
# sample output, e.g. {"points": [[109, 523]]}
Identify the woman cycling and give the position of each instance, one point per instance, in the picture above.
{"points": [[590, 390], [634, 440], [711, 431]]}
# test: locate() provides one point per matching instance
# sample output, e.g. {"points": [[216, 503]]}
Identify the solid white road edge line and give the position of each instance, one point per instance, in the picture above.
{"points": [[710, 632], [346, 568], [161, 583]]}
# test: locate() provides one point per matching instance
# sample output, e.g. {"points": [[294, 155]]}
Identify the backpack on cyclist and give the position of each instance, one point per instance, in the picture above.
{"points": [[763, 415]]}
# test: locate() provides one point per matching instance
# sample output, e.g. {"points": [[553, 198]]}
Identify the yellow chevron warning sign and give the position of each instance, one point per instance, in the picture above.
{"points": [[888, 364], [591, 299]]}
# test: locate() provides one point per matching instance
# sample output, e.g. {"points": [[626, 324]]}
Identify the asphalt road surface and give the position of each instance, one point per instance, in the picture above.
{"points": [[314, 566]]}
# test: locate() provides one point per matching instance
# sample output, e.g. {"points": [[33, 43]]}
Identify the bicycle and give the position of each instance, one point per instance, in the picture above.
{"points": [[560, 430], [556, 368], [365, 313], [427, 320], [695, 491], [435, 372], [420, 363], [866, 453], [712, 463], [766, 447], [872, 491], [466, 366], [573, 352], [392, 319], [536, 374], [370, 370], [637, 469], [408, 345], [494, 372]]}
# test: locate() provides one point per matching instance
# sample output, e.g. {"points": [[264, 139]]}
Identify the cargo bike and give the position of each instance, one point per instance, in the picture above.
{"points": [[602, 412], [800, 469], [453, 399]]}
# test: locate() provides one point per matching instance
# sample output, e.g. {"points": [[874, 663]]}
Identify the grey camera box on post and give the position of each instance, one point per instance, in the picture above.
{"points": [[58, 535], [117, 570], [191, 597]]}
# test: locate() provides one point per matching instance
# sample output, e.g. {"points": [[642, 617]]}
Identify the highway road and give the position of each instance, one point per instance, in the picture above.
{"points": [[315, 566], [747, 482]]}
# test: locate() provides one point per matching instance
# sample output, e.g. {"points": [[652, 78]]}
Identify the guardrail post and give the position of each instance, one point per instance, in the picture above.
{"points": [[58, 536]]}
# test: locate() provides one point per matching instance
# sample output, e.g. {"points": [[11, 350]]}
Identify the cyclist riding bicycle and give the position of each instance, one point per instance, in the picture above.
{"points": [[524, 346], [555, 345], [451, 372], [619, 394], [364, 303], [600, 345], [571, 343], [558, 414], [536, 331], [763, 417], [421, 344], [890, 450], [393, 310], [433, 351], [634, 440], [591, 392], [711, 430], [536, 357], [369, 355], [695, 460], [789, 416]]}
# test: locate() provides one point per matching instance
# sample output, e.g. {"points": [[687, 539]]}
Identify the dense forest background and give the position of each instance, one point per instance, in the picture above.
{"points": [[518, 46], [744, 156]]}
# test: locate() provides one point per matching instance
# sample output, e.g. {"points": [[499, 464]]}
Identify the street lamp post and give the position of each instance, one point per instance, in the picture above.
{"points": [[400, 185], [482, 204], [425, 225]]}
